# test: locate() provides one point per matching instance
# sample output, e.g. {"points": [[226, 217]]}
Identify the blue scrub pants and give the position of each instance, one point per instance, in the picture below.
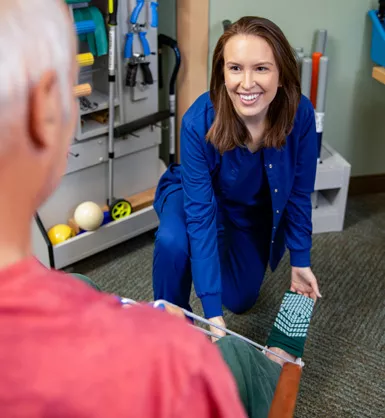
{"points": [[243, 256]]}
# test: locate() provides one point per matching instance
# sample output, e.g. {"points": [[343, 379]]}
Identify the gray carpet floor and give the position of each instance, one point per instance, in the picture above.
{"points": [[344, 374]]}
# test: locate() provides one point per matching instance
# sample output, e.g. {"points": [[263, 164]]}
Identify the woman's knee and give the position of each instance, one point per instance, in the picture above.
{"points": [[171, 241], [171, 266], [240, 304]]}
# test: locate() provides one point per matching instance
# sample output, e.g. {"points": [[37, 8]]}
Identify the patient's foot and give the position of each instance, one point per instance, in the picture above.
{"points": [[281, 353], [289, 332]]}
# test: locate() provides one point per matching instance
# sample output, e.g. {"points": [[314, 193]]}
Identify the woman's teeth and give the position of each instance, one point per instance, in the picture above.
{"points": [[249, 98]]}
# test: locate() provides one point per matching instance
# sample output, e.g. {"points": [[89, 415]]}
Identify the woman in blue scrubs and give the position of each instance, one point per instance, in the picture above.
{"points": [[242, 193]]}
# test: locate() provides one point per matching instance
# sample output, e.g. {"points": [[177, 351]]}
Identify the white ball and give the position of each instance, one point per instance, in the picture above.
{"points": [[89, 216]]}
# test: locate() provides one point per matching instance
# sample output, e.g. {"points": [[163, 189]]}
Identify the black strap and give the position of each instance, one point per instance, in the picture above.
{"points": [[160, 68], [381, 10]]}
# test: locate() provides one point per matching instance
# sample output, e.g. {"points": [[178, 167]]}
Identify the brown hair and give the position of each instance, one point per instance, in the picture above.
{"points": [[228, 129]]}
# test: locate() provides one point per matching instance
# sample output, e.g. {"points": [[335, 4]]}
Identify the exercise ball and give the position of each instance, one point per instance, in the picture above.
{"points": [[89, 216], [60, 233]]}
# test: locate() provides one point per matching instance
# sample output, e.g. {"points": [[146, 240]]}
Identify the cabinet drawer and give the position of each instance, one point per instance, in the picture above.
{"points": [[87, 154]]}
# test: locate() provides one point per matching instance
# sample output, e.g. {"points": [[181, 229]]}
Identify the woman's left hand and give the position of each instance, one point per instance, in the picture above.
{"points": [[304, 282]]}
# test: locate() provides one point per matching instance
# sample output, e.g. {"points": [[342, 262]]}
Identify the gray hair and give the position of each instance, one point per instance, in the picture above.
{"points": [[34, 37]]}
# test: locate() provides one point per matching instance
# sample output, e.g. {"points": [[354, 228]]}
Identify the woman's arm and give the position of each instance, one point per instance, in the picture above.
{"points": [[201, 208], [298, 213]]}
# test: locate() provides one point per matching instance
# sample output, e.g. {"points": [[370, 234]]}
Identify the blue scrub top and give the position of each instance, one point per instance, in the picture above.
{"points": [[242, 189], [244, 178]]}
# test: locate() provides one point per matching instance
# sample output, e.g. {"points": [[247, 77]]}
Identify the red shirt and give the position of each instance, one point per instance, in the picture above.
{"points": [[69, 351]]}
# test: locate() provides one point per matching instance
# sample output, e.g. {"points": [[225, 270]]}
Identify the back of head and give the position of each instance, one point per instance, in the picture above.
{"points": [[34, 37], [37, 53], [228, 130]]}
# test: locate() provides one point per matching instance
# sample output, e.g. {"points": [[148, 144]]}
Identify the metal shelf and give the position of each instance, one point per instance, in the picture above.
{"points": [[90, 243], [101, 99], [136, 162]]}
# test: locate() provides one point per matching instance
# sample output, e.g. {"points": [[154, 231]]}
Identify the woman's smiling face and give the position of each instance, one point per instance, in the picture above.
{"points": [[251, 76]]}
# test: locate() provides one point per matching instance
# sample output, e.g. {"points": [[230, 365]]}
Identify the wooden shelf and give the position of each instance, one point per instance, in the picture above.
{"points": [[379, 74]]}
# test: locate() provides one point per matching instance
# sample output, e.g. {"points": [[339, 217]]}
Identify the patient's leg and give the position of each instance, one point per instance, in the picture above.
{"points": [[256, 376]]}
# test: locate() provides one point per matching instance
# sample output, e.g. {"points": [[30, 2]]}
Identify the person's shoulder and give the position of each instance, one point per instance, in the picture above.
{"points": [[150, 328], [145, 339], [95, 310], [166, 355], [138, 332], [135, 352], [69, 294], [200, 112], [305, 108]]}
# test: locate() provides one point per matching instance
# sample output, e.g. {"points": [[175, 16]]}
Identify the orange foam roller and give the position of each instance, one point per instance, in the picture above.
{"points": [[82, 90], [314, 78], [285, 396], [85, 60]]}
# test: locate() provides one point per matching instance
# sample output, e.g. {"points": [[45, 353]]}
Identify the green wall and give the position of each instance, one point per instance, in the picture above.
{"points": [[354, 122]]}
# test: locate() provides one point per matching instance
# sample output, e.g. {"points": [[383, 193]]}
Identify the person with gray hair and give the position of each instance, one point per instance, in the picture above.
{"points": [[65, 348]]}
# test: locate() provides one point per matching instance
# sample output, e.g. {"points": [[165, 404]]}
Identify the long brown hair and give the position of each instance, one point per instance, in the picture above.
{"points": [[228, 129]]}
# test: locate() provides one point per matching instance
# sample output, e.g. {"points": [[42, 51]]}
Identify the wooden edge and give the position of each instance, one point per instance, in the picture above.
{"points": [[193, 42], [373, 183], [138, 202], [285, 396], [378, 74]]}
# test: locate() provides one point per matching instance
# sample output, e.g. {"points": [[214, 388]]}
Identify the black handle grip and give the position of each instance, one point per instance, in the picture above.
{"points": [[147, 75], [132, 70], [113, 12]]}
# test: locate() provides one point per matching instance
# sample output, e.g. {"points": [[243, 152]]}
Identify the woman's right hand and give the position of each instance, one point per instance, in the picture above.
{"points": [[217, 320]]}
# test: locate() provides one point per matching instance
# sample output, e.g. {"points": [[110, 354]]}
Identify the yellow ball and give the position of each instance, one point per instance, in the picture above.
{"points": [[89, 216], [60, 233]]}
